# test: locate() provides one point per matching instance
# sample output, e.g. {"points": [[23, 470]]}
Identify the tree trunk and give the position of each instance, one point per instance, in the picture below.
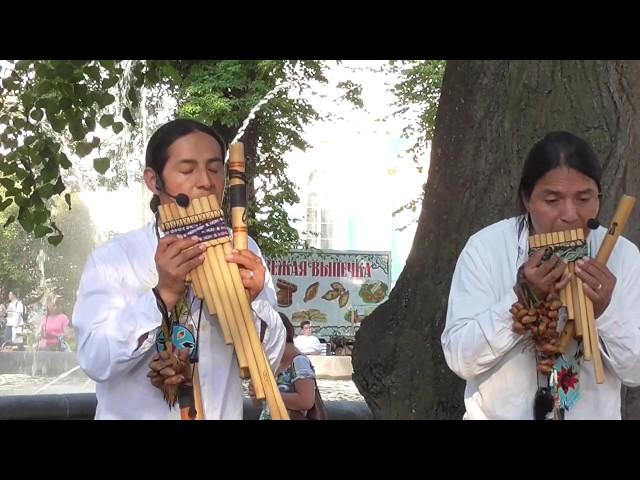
{"points": [[489, 116]]}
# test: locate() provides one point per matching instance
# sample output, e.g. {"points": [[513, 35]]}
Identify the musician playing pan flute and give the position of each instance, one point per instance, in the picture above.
{"points": [[486, 345], [131, 283]]}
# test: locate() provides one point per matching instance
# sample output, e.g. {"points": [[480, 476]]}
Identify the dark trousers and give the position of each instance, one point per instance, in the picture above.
{"points": [[7, 334]]}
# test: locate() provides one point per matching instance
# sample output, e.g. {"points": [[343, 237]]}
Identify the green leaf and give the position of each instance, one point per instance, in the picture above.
{"points": [[64, 70], [44, 87], [26, 219], [64, 161], [36, 114], [40, 231], [5, 203], [19, 123], [22, 65], [57, 123], [101, 165], [46, 191], [76, 129], [9, 168], [105, 99], [126, 114], [9, 84], [59, 187], [21, 174], [27, 99], [39, 217], [90, 122], [93, 72], [108, 64], [117, 127], [43, 70], [28, 182], [42, 102], [151, 78], [83, 149], [55, 239], [109, 82], [171, 72], [106, 121], [40, 68], [80, 90], [36, 199], [65, 103], [67, 198], [9, 221], [29, 141], [7, 183], [50, 170]]}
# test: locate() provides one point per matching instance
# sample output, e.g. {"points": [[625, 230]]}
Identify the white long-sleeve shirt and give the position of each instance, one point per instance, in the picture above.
{"points": [[116, 306], [308, 344], [15, 310], [480, 347]]}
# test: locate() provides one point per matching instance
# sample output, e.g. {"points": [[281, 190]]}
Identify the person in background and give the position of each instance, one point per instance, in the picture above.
{"points": [[308, 343]]}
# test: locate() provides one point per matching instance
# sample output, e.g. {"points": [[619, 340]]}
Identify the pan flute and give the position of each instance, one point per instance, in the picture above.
{"points": [[219, 285], [581, 318], [570, 246]]}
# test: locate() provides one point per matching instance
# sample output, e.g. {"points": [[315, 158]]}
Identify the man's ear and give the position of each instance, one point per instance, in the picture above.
{"points": [[151, 179]]}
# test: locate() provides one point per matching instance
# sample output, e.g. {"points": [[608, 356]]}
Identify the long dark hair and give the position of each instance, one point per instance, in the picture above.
{"points": [[157, 153], [288, 326], [554, 150]]}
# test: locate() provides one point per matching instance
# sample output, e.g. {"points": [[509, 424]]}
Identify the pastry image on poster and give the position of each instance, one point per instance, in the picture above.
{"points": [[373, 291], [285, 292], [313, 315], [311, 292]]}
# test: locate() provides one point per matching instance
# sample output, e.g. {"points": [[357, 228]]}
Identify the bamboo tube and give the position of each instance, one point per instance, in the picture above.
{"points": [[620, 219], [263, 377], [238, 197], [223, 316], [173, 212], [200, 273], [579, 304], [582, 299], [197, 394]]}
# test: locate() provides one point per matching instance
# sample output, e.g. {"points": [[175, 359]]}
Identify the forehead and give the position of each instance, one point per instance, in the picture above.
{"points": [[195, 146], [565, 180]]}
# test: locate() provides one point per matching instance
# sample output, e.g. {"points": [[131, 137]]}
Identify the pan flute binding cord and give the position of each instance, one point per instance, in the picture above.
{"points": [[544, 318], [185, 394], [218, 282]]}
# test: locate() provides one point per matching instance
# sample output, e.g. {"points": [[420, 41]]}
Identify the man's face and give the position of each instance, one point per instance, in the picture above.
{"points": [[195, 167], [12, 297], [564, 199], [306, 330]]}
